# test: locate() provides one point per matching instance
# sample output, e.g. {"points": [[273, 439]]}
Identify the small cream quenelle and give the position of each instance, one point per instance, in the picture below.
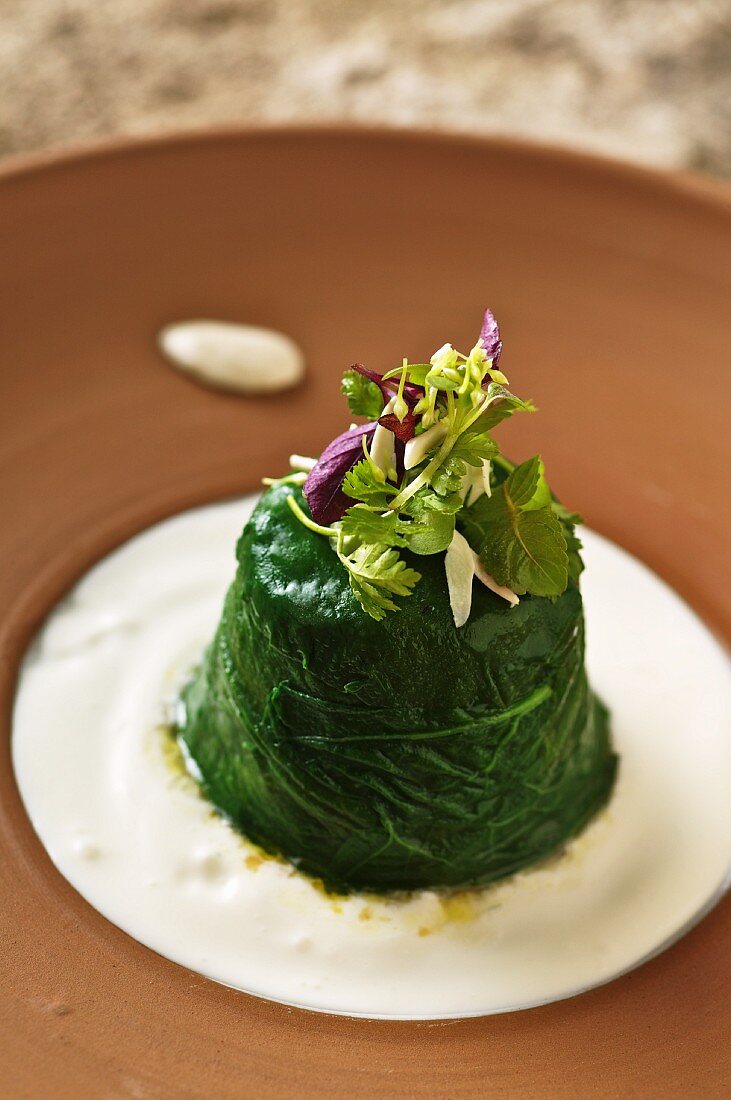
{"points": [[238, 358]]}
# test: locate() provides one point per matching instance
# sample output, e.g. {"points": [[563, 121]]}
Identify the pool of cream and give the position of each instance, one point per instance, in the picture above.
{"points": [[122, 820]]}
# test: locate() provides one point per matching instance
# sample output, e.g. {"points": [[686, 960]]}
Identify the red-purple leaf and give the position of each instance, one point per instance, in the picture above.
{"points": [[490, 337], [412, 394], [402, 429], [389, 386], [323, 488], [372, 376]]}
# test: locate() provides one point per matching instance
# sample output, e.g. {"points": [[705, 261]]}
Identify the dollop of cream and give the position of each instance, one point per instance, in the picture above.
{"points": [[233, 357]]}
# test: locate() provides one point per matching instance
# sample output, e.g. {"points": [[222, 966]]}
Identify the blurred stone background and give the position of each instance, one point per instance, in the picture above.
{"points": [[645, 79]]}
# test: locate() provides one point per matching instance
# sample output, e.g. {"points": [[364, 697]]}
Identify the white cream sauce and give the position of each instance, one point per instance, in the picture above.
{"points": [[134, 837], [240, 358]]}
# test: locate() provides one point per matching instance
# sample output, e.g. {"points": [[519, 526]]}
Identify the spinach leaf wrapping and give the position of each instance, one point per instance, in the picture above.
{"points": [[399, 754]]}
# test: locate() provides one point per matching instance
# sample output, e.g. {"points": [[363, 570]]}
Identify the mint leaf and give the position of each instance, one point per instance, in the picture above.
{"points": [[362, 483], [524, 481], [569, 520], [521, 545], [573, 549], [573, 519], [363, 396], [376, 573], [529, 488]]}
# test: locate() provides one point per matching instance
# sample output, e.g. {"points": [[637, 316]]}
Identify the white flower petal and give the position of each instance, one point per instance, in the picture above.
{"points": [[472, 486], [417, 447], [460, 569], [383, 447], [444, 357], [486, 467], [499, 589], [475, 482]]}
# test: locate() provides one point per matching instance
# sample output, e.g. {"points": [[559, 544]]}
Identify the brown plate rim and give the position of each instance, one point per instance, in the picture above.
{"points": [[35, 600], [690, 184]]}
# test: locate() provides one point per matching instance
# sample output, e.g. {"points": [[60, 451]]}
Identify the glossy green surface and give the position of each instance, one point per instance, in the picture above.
{"points": [[399, 754]]}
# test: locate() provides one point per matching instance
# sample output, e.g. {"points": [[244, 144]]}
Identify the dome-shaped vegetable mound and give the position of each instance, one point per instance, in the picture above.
{"points": [[396, 754]]}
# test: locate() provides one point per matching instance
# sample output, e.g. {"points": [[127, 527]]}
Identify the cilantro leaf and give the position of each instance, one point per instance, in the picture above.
{"points": [[432, 520], [376, 572], [360, 523], [521, 545], [475, 445], [427, 501], [500, 410], [363, 396], [361, 483], [448, 478], [432, 533]]}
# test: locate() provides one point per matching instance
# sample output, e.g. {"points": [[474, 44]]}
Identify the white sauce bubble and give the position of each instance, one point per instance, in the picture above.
{"points": [[239, 358], [138, 842]]}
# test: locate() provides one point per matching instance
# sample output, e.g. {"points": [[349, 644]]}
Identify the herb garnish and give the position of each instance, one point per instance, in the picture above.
{"points": [[426, 475]]}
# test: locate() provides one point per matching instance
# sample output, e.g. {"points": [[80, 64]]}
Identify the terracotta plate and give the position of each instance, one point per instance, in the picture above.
{"points": [[612, 286]]}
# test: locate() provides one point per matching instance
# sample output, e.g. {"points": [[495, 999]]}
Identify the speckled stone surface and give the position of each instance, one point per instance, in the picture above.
{"points": [[645, 79]]}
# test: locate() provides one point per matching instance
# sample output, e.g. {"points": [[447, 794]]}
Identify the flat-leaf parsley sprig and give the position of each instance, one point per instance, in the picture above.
{"points": [[425, 474]]}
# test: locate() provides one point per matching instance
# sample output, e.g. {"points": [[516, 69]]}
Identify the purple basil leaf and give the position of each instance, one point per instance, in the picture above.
{"points": [[490, 337], [323, 488]]}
